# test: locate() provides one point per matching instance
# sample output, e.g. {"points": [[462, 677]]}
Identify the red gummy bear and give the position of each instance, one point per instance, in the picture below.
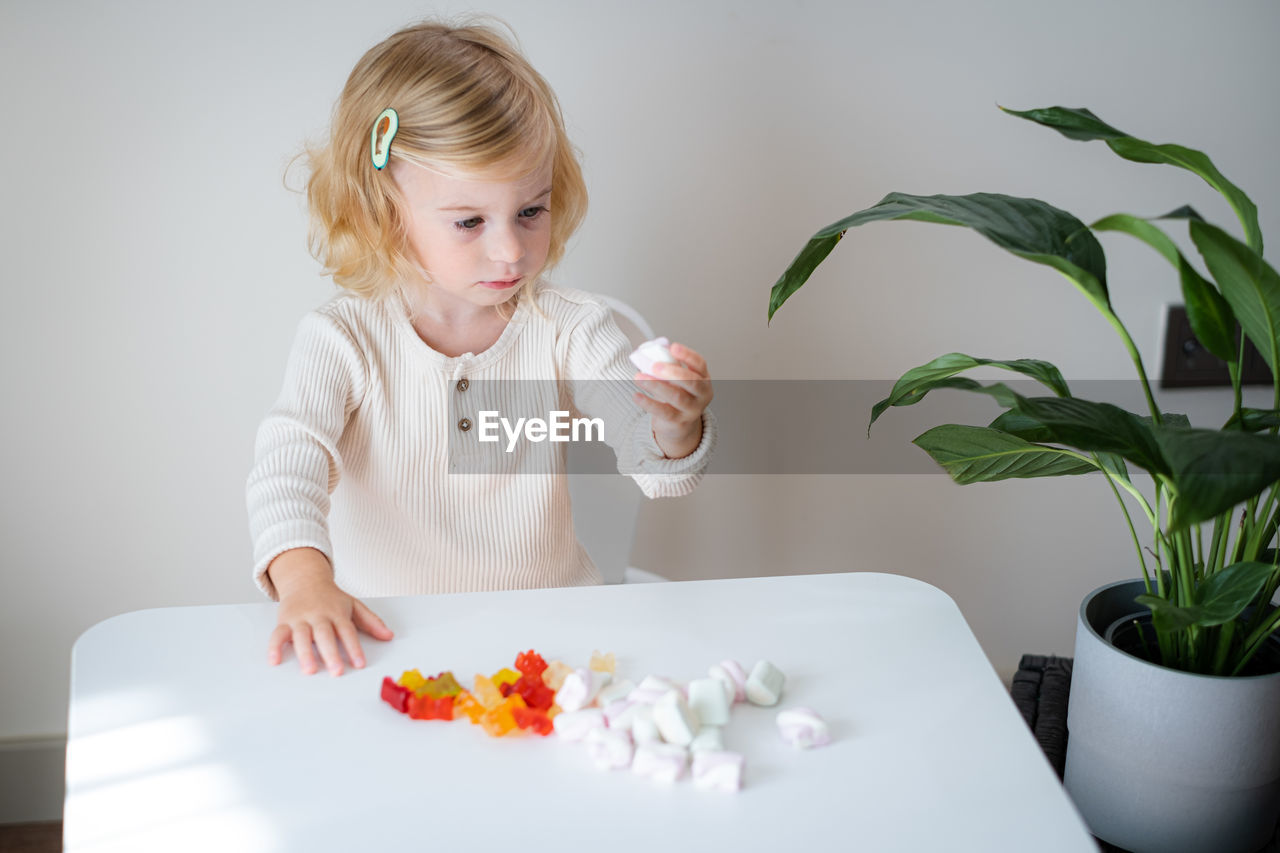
{"points": [[426, 708], [535, 693], [530, 663], [505, 688], [532, 718], [395, 695]]}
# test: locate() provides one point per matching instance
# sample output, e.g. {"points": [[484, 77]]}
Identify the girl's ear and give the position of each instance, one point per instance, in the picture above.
{"points": [[384, 130]]}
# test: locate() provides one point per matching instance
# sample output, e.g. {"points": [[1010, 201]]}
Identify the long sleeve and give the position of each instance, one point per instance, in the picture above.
{"points": [[599, 376], [297, 462]]}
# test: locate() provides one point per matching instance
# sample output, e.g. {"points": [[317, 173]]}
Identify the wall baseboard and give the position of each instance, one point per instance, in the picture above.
{"points": [[32, 771]]}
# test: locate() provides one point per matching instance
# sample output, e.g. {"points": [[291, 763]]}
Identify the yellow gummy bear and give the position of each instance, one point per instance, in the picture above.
{"points": [[602, 663], [505, 676], [413, 680]]}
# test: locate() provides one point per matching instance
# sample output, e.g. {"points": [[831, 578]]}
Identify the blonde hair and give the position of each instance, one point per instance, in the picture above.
{"points": [[468, 102]]}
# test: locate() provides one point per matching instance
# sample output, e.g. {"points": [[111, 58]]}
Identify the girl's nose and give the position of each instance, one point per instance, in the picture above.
{"points": [[506, 246]]}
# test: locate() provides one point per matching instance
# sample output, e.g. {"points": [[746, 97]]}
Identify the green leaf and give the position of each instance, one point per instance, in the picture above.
{"points": [[912, 387], [1026, 227], [1081, 124], [813, 253], [1218, 600], [1248, 283], [1208, 313], [1254, 420], [1214, 470], [1018, 424], [979, 455], [1097, 427], [1166, 616], [1225, 595]]}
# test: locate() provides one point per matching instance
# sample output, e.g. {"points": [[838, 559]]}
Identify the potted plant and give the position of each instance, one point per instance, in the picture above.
{"points": [[1174, 740]]}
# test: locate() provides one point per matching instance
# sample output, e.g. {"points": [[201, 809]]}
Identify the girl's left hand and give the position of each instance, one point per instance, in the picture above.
{"points": [[677, 396]]}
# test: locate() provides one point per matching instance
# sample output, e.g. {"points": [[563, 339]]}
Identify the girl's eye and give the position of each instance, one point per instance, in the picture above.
{"points": [[532, 212], [468, 224]]}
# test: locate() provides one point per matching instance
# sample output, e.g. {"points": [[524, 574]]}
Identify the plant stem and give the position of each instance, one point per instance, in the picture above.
{"points": [[1221, 524], [1256, 639], [1133, 533], [1225, 636], [1136, 358], [1262, 532]]}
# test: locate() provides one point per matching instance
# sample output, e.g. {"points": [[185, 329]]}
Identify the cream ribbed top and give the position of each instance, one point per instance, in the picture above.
{"points": [[363, 458]]}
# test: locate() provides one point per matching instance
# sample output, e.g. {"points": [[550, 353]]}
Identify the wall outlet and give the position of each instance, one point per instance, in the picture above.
{"points": [[1187, 364]]}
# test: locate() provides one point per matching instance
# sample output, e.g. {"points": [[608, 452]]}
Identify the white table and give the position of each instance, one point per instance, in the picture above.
{"points": [[182, 738]]}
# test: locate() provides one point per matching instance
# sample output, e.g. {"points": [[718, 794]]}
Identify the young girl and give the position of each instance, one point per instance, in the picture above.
{"points": [[448, 187]]}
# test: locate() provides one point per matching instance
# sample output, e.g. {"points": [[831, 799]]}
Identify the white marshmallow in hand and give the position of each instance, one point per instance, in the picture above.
{"points": [[661, 762], [803, 728], [609, 749], [650, 353], [676, 720], [764, 684], [580, 688], [717, 771]]}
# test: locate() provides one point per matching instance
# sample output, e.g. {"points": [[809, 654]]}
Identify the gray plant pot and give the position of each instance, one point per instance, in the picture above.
{"points": [[1168, 761]]}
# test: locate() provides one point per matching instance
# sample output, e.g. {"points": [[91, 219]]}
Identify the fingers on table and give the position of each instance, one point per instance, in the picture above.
{"points": [[327, 642], [369, 622]]}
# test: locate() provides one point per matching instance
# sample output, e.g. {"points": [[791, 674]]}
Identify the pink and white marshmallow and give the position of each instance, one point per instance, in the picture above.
{"points": [[717, 771], [733, 675], [576, 725], [764, 684], [803, 728], [650, 353], [661, 762], [609, 749]]}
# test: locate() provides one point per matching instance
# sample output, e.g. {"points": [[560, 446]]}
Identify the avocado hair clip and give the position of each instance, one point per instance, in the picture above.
{"points": [[384, 130]]}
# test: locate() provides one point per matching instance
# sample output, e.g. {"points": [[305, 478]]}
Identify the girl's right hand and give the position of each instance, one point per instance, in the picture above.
{"points": [[313, 609]]}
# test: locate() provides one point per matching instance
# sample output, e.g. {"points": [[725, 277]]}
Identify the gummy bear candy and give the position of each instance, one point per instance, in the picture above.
{"points": [[535, 693], [505, 675], [486, 692], [423, 707], [530, 663], [499, 720], [443, 684], [396, 695], [602, 663], [553, 676], [531, 718], [469, 705], [412, 679]]}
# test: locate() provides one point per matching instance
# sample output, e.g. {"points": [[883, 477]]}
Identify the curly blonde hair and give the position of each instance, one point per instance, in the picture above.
{"points": [[469, 103]]}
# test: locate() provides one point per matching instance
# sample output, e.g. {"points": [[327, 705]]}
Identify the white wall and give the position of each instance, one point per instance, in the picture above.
{"points": [[155, 267]]}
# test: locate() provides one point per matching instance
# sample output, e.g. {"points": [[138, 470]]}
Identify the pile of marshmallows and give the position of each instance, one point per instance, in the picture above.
{"points": [[659, 729]]}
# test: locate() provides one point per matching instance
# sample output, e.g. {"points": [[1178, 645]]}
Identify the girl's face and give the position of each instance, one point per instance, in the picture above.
{"points": [[479, 240]]}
